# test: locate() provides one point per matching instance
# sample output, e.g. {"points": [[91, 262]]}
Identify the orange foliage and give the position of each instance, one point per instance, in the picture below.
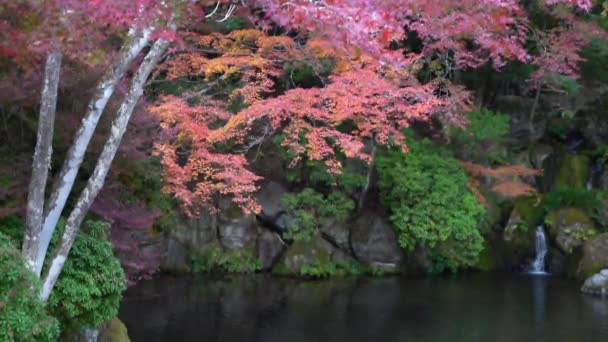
{"points": [[203, 151], [505, 177]]}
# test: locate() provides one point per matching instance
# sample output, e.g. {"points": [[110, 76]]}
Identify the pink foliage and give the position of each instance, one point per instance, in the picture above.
{"points": [[130, 232]]}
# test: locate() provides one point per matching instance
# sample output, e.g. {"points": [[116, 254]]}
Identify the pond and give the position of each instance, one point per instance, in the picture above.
{"points": [[476, 307]]}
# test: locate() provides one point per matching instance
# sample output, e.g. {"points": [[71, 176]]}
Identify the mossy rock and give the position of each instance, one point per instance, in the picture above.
{"points": [[303, 253], [530, 210], [517, 240], [487, 259], [570, 228], [594, 256], [114, 331], [573, 172]]}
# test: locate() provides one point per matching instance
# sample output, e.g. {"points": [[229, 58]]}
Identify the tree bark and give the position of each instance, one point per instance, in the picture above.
{"points": [[131, 48], [96, 181], [42, 158]]}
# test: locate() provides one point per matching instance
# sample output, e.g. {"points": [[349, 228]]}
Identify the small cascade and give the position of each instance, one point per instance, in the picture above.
{"points": [[538, 265]]}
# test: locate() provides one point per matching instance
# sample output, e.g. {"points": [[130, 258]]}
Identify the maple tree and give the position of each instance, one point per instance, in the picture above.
{"points": [[459, 33]]}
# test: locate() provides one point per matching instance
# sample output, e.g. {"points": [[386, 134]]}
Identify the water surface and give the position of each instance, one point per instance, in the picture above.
{"points": [[478, 307]]}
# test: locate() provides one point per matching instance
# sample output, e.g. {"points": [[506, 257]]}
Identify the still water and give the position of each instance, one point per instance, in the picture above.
{"points": [[478, 307]]}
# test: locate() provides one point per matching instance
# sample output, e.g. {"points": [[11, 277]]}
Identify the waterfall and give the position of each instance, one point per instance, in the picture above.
{"points": [[538, 265]]}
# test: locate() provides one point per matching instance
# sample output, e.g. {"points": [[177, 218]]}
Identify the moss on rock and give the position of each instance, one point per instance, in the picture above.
{"points": [[570, 228], [573, 172]]}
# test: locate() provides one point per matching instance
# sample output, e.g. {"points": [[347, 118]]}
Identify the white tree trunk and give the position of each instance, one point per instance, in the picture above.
{"points": [[96, 181], [136, 41], [42, 158]]}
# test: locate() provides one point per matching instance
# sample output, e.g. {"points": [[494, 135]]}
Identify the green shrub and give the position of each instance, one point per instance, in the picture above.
{"points": [[90, 286], [310, 210], [483, 125], [426, 192], [216, 260], [89, 289], [341, 268], [23, 317]]}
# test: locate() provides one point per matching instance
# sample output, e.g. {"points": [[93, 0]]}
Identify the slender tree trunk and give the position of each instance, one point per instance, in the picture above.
{"points": [[131, 48], [42, 158], [533, 112], [96, 181], [368, 180]]}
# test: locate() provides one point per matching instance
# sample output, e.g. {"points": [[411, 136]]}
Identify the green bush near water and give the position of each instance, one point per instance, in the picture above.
{"points": [[23, 317], [90, 286], [431, 206]]}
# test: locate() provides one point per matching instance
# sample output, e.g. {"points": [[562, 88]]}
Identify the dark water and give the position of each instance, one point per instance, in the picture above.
{"points": [[483, 307]]}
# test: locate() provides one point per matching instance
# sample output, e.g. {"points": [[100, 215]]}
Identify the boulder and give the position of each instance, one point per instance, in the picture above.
{"points": [[570, 228], [573, 172], [337, 233], [113, 331], [374, 242], [301, 253], [188, 236], [517, 233], [597, 284], [594, 256], [270, 198], [539, 153], [270, 247], [238, 234], [176, 258]]}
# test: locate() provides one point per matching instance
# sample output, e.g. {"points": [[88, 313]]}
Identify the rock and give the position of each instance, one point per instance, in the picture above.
{"points": [[597, 284], [238, 234], [570, 228], [517, 244], [270, 247], [517, 231], [374, 242], [113, 331], [176, 258], [195, 232], [573, 172], [302, 253], [338, 233], [595, 127], [188, 236], [595, 256], [518, 108], [539, 153], [270, 198]]}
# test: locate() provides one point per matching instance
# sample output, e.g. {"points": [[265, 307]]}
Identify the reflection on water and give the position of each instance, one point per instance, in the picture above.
{"points": [[479, 307]]}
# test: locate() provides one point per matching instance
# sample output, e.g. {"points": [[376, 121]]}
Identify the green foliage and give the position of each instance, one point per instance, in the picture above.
{"points": [[426, 191], [305, 74], [572, 197], [483, 125], [91, 283], [593, 202], [596, 59], [216, 260], [581, 234], [342, 267], [339, 268], [311, 210], [23, 317], [90, 286]]}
